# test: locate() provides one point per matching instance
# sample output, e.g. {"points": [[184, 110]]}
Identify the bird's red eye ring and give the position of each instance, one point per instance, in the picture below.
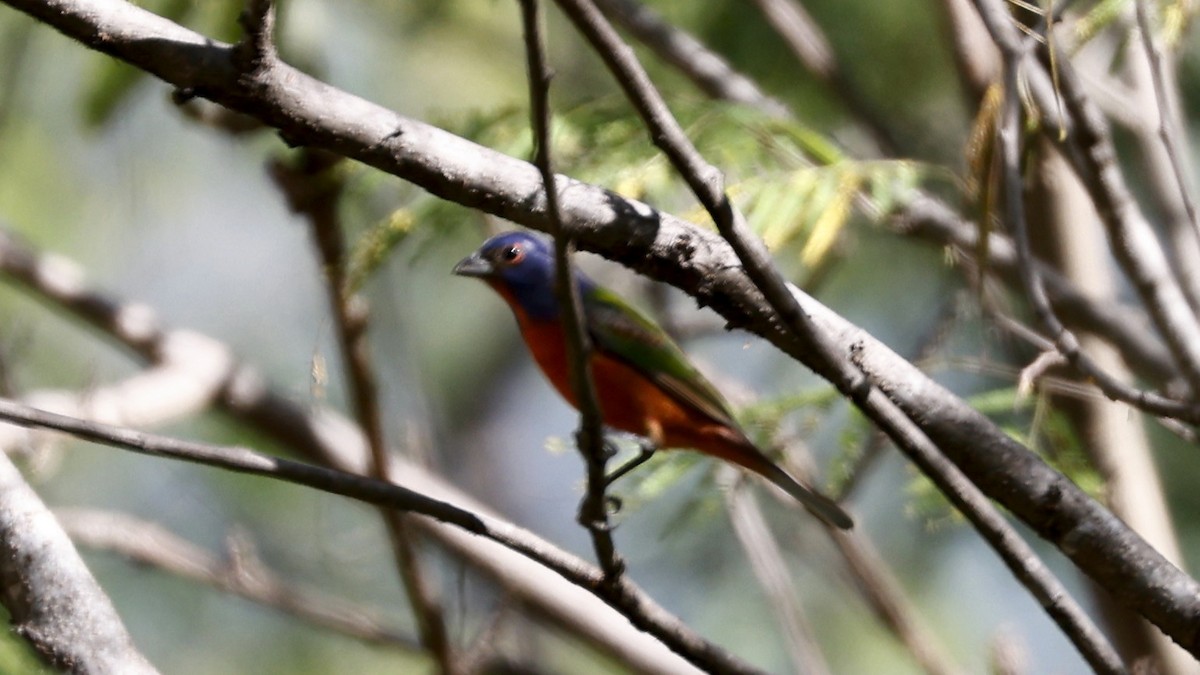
{"points": [[513, 254]]}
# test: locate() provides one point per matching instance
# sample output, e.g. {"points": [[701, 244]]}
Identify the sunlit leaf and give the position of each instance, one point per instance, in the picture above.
{"points": [[1102, 15], [829, 224]]}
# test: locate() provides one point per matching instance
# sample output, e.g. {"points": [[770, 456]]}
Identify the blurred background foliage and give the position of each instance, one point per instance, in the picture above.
{"points": [[96, 163]]}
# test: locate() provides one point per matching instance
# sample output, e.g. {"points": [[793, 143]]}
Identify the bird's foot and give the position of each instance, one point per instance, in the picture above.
{"points": [[646, 451]]}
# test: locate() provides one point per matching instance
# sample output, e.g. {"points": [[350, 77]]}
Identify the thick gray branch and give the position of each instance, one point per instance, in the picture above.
{"points": [[53, 600]]}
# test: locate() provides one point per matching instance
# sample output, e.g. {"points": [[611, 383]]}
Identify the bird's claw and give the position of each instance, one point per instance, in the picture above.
{"points": [[646, 451]]}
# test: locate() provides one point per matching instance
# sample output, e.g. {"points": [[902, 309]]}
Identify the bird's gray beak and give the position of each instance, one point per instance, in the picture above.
{"points": [[473, 265]]}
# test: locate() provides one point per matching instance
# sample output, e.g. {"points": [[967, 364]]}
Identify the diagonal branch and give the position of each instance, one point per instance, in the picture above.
{"points": [[812, 50], [1090, 149], [1013, 53], [649, 617], [53, 601], [707, 69], [767, 562]]}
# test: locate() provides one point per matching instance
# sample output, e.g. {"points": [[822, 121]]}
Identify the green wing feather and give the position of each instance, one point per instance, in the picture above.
{"points": [[621, 331]]}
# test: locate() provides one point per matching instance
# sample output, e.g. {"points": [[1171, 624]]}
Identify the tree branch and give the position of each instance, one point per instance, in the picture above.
{"points": [[1168, 129], [767, 562], [707, 69], [1090, 149], [648, 616]]}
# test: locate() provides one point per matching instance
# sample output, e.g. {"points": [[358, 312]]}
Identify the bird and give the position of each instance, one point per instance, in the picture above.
{"points": [[644, 383]]}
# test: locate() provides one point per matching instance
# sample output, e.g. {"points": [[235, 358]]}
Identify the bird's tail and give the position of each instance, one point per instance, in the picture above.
{"points": [[818, 504], [742, 452]]}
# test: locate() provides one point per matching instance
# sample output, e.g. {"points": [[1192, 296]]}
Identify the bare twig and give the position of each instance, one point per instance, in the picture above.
{"points": [[1116, 443], [313, 188], [1033, 373], [1120, 325], [1014, 55], [149, 544], [1090, 149], [649, 616], [1019, 557], [885, 596], [593, 509], [1168, 128], [872, 577]]}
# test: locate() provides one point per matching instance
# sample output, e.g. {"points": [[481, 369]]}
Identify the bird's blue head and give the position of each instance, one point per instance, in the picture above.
{"points": [[520, 266]]}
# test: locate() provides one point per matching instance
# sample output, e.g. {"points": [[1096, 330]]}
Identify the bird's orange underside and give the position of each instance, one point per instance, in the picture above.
{"points": [[631, 402]]}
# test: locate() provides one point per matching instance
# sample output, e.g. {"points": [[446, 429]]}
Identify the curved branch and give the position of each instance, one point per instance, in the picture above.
{"points": [[637, 606]]}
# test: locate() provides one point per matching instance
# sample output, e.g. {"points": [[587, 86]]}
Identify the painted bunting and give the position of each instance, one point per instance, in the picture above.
{"points": [[645, 384]]}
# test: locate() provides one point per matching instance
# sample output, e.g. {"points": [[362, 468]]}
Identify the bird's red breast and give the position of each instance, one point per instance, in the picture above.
{"points": [[631, 402]]}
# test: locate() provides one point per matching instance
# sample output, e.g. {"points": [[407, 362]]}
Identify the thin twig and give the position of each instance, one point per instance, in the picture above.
{"points": [[593, 509], [149, 544], [885, 595], [649, 616], [1089, 148], [1017, 555], [313, 188], [1121, 325], [1168, 128]]}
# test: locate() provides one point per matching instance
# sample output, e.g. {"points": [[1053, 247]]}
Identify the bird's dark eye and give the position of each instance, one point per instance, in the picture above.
{"points": [[512, 255]]}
